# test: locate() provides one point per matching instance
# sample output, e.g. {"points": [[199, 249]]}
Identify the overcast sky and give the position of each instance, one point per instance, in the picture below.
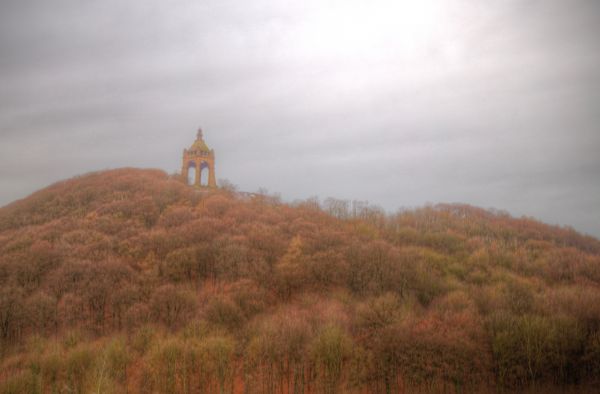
{"points": [[493, 103]]}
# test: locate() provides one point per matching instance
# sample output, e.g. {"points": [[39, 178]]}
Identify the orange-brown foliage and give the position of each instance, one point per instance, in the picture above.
{"points": [[128, 280]]}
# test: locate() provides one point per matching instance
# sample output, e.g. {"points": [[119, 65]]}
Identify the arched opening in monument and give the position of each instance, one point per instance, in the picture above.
{"points": [[191, 173], [204, 174]]}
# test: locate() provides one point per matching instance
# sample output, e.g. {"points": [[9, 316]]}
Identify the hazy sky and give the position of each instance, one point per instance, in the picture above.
{"points": [[493, 103]]}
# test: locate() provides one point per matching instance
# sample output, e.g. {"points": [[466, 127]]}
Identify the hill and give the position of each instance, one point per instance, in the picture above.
{"points": [[129, 281]]}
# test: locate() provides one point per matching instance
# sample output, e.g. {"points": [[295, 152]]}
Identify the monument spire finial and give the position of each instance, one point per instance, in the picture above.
{"points": [[199, 136]]}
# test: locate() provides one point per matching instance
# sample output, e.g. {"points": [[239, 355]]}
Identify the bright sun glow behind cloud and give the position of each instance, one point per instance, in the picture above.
{"points": [[358, 28]]}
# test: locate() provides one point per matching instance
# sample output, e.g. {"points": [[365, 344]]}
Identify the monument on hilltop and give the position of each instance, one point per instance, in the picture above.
{"points": [[199, 157]]}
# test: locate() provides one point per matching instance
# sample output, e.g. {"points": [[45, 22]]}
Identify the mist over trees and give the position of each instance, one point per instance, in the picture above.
{"points": [[130, 281]]}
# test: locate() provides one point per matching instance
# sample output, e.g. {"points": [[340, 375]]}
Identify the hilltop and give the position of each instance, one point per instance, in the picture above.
{"points": [[130, 281]]}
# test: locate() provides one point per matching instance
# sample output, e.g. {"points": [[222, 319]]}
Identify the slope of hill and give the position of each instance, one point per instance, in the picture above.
{"points": [[129, 281]]}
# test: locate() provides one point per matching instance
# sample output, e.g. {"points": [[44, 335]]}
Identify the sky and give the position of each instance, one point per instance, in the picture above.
{"points": [[494, 103]]}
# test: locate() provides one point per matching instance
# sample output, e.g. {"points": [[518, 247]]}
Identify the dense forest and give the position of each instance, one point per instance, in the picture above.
{"points": [[129, 281]]}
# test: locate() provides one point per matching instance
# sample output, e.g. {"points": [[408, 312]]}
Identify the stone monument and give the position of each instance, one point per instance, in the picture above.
{"points": [[199, 157]]}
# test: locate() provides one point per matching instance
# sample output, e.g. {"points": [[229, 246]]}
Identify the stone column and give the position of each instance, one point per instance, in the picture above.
{"points": [[198, 172], [212, 182]]}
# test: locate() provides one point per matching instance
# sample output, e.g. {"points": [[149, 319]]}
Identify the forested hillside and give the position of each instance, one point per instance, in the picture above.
{"points": [[129, 281]]}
